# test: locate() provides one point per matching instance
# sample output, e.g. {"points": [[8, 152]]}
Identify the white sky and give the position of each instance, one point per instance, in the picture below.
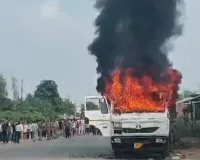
{"points": [[48, 39]]}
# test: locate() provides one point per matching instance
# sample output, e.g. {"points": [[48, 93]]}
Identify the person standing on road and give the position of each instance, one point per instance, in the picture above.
{"points": [[34, 128], [31, 132], [25, 131], [73, 127], [18, 131], [67, 128], [77, 127], [0, 131], [60, 126], [22, 127], [5, 127], [48, 129], [70, 127], [44, 131], [87, 126], [10, 132], [40, 130], [51, 129], [82, 126], [54, 129], [28, 131], [14, 132]]}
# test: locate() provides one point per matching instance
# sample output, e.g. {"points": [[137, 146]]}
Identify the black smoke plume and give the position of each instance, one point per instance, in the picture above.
{"points": [[133, 34]]}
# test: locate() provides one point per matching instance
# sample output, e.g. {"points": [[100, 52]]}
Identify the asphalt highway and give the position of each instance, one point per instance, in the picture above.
{"points": [[80, 147], [75, 147]]}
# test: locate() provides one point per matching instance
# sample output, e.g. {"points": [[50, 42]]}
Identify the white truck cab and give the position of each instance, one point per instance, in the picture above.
{"points": [[98, 113], [149, 132]]}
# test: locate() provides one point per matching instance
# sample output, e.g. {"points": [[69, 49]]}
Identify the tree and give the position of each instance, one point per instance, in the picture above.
{"points": [[15, 89], [47, 90], [4, 101], [3, 87], [45, 103], [82, 110], [29, 97], [67, 107], [186, 93]]}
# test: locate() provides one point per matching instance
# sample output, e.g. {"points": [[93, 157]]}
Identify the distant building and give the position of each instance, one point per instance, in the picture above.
{"points": [[189, 109], [188, 105], [180, 109]]}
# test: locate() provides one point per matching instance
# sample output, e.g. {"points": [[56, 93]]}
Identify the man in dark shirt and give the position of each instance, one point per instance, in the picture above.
{"points": [[5, 132], [67, 128], [14, 133], [40, 130]]}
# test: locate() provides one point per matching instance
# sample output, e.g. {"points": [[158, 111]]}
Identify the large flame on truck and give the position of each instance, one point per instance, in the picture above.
{"points": [[130, 94]]}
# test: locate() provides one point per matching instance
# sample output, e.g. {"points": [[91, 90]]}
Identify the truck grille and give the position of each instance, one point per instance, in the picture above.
{"points": [[142, 130]]}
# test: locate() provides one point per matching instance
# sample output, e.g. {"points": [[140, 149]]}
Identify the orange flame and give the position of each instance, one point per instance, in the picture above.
{"points": [[142, 95]]}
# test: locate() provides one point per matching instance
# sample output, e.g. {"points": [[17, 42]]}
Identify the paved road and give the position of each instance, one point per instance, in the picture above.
{"points": [[92, 147], [77, 147]]}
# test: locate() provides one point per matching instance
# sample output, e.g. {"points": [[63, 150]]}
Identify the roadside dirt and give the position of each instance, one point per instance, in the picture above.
{"points": [[188, 148]]}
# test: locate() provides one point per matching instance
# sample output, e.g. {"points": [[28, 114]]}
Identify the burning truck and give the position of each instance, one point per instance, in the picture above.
{"points": [[137, 114], [137, 82]]}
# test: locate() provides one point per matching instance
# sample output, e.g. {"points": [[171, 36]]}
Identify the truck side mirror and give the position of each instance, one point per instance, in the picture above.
{"points": [[103, 106]]}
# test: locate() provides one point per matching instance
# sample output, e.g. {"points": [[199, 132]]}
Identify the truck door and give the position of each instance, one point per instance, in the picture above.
{"points": [[97, 111], [105, 116]]}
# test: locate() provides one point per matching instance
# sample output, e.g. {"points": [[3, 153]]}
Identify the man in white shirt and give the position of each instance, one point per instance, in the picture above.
{"points": [[73, 127], [34, 128], [79, 126], [31, 131], [19, 130], [25, 131], [22, 127], [82, 126]]}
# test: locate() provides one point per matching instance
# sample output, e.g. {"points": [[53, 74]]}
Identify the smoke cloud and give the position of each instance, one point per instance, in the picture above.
{"points": [[134, 34]]}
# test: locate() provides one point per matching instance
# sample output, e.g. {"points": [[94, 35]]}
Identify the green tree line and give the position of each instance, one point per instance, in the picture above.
{"points": [[44, 103]]}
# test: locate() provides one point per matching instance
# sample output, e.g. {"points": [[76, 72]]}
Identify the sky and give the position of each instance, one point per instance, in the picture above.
{"points": [[48, 39]]}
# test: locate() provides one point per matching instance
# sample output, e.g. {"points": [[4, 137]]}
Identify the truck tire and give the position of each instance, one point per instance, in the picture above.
{"points": [[165, 153]]}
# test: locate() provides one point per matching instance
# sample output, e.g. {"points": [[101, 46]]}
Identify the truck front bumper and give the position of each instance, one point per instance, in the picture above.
{"points": [[147, 144]]}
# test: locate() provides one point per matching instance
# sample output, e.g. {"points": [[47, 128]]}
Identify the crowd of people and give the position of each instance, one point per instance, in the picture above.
{"points": [[16, 131], [38, 130]]}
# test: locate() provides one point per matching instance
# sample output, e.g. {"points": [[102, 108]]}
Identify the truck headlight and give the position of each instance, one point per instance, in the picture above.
{"points": [[160, 140], [117, 124], [116, 140]]}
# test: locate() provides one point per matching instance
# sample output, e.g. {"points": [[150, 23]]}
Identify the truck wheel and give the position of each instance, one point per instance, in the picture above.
{"points": [[165, 153]]}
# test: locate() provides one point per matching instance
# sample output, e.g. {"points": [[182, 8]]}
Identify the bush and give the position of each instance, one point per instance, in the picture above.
{"points": [[184, 130]]}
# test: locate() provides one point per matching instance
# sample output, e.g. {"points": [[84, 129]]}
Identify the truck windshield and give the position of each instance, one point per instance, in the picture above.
{"points": [[92, 104]]}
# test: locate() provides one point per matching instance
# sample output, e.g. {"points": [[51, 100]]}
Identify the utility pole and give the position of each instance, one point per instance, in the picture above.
{"points": [[22, 89]]}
